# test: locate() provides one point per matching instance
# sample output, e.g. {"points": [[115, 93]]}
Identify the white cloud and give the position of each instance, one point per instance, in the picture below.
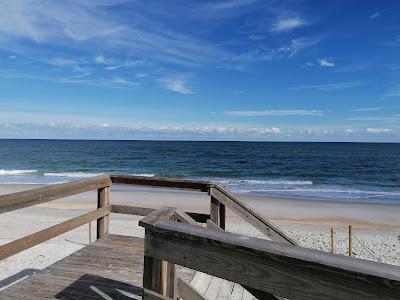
{"points": [[289, 50], [378, 130], [287, 24], [316, 131], [141, 75], [176, 85], [368, 109], [349, 131], [324, 62], [128, 64], [374, 15], [393, 93], [330, 86], [282, 112], [62, 62], [12, 57], [101, 59]]}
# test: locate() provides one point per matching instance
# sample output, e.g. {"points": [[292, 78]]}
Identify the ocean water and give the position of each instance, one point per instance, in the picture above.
{"points": [[359, 172]]}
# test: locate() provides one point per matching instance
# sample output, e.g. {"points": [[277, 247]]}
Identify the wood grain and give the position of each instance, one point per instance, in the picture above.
{"points": [[173, 183], [49, 233], [24, 199], [103, 223], [276, 268], [250, 215]]}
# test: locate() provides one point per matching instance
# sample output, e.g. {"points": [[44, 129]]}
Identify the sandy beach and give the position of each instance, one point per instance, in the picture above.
{"points": [[376, 227]]}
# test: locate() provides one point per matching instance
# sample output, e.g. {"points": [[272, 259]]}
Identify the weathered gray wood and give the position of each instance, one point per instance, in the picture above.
{"points": [[173, 183], [277, 268], [168, 272], [24, 199], [163, 213], [187, 292], [212, 225], [222, 216], [152, 274], [103, 265], [250, 215], [150, 295], [257, 293], [49, 233], [131, 210], [143, 211], [103, 199], [184, 217], [214, 210]]}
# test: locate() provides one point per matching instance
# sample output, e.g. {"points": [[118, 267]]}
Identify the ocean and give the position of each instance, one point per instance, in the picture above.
{"points": [[357, 172]]}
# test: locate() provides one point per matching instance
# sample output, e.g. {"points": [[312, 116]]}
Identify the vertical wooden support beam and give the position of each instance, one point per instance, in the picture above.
{"points": [[222, 214], [169, 275], [214, 210], [152, 274], [90, 232], [350, 241], [160, 276], [217, 212], [332, 241], [103, 199]]}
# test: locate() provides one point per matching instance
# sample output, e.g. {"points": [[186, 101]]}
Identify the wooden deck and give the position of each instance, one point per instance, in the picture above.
{"points": [[236, 266], [110, 268]]}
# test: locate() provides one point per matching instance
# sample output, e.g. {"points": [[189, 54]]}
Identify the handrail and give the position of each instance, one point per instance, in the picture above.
{"points": [[36, 238], [156, 182], [277, 268], [24, 199], [250, 215]]}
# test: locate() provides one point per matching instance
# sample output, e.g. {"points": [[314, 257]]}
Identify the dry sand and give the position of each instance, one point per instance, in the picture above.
{"points": [[376, 227]]}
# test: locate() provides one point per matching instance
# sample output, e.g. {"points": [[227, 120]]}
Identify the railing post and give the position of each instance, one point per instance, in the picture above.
{"points": [[159, 276], [217, 212], [152, 274], [103, 199]]}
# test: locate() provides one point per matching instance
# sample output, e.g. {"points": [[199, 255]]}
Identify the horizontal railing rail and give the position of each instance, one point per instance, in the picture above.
{"points": [[278, 268], [102, 184], [24, 199], [173, 183]]}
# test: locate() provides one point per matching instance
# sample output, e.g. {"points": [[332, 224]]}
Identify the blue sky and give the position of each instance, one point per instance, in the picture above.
{"points": [[200, 70]]}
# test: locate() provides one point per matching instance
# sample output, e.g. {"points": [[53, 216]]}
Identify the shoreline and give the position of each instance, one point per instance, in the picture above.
{"points": [[376, 227], [278, 209]]}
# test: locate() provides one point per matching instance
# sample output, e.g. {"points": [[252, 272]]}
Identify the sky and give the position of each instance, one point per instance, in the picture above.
{"points": [[200, 70]]}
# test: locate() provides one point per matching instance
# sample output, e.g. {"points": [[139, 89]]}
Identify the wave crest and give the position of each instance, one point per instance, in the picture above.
{"points": [[16, 172], [72, 174]]}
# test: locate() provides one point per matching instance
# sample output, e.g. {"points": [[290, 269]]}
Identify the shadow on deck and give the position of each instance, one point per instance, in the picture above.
{"points": [[110, 268]]}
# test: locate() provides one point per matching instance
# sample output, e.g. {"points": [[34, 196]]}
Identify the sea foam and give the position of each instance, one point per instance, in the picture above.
{"points": [[72, 174], [16, 172]]}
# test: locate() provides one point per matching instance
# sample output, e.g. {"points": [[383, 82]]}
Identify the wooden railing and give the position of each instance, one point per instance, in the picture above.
{"points": [[269, 269]]}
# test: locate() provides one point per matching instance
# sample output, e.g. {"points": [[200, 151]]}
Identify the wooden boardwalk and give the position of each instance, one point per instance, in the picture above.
{"points": [[236, 266], [110, 268]]}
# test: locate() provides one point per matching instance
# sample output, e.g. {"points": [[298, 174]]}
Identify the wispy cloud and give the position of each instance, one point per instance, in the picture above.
{"points": [[378, 130], [330, 86], [282, 112], [266, 55], [176, 84], [127, 64], [362, 109], [287, 24], [62, 62], [325, 62], [375, 15], [101, 59], [395, 92]]}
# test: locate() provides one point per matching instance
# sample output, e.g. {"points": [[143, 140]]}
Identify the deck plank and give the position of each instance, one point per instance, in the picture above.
{"points": [[110, 268]]}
